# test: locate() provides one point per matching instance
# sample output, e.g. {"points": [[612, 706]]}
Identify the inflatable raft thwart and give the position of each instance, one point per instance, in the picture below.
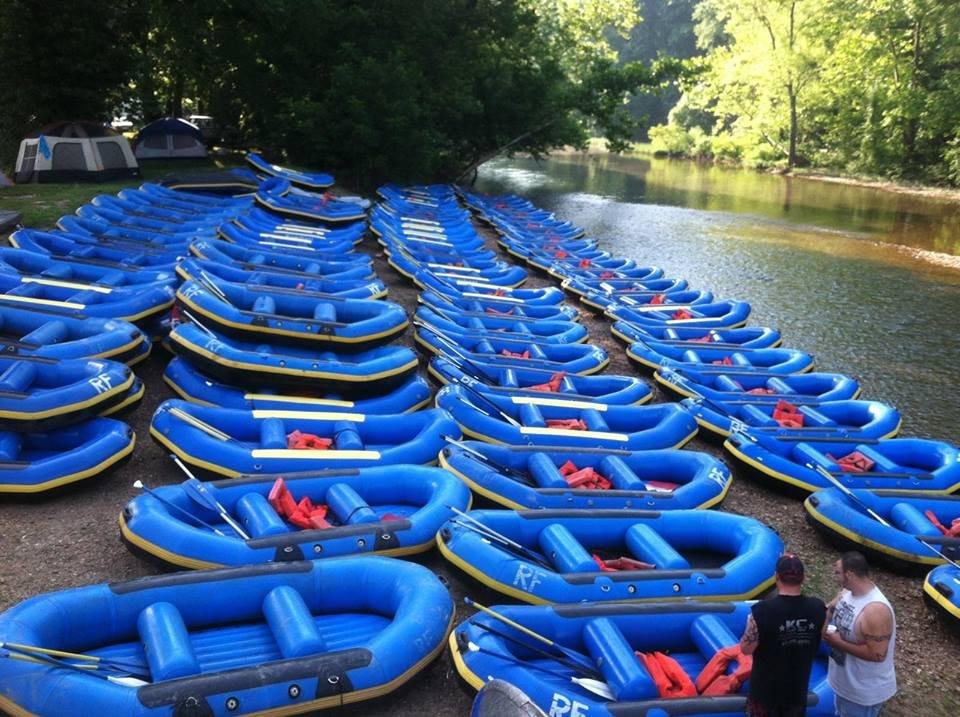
{"points": [[941, 590], [566, 556], [733, 387], [315, 635], [39, 461], [823, 420], [230, 443], [325, 514], [244, 363], [292, 316], [918, 527], [607, 639], [914, 464], [521, 477], [520, 420], [196, 387], [512, 383]]}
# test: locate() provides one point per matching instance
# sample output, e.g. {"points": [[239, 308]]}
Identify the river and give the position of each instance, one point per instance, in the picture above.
{"points": [[866, 280]]}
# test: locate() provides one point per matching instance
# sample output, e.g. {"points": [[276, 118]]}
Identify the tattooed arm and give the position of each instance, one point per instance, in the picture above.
{"points": [[875, 627], [751, 637]]}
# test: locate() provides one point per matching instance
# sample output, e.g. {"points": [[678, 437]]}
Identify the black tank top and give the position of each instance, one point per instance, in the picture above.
{"points": [[789, 634]]}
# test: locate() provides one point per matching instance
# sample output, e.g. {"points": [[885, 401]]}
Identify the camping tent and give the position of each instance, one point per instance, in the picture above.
{"points": [[169, 138], [75, 152]]}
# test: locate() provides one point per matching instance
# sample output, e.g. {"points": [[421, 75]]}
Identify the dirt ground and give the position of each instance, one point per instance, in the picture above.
{"points": [[72, 539]]}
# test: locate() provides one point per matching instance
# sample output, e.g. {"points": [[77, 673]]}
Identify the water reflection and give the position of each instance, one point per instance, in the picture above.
{"points": [[823, 263]]}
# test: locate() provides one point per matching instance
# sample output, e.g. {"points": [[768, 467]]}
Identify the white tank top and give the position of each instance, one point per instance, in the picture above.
{"points": [[853, 678]]}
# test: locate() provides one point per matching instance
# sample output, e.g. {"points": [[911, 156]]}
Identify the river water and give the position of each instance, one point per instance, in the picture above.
{"points": [[866, 280]]}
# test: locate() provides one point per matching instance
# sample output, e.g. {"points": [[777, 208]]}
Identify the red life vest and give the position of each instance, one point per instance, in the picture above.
{"points": [[668, 676], [725, 361], [952, 532], [584, 263], [787, 415], [586, 478], [713, 678], [681, 315], [658, 299], [551, 386], [854, 462], [570, 424], [307, 442], [614, 565], [515, 354], [304, 514]]}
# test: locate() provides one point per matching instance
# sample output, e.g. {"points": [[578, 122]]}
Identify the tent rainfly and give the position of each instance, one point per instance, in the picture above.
{"points": [[169, 138], [75, 152]]}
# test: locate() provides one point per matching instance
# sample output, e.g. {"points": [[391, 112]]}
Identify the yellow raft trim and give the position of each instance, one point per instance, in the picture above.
{"points": [[469, 677], [925, 559], [523, 596], [257, 368], [16, 710], [128, 401], [72, 407], [72, 477], [306, 336], [931, 591]]}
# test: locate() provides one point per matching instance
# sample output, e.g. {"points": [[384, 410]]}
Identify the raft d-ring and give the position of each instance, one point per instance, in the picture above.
{"points": [[334, 679], [631, 589], [676, 587], [361, 542], [605, 588], [233, 704], [318, 548], [293, 691]]}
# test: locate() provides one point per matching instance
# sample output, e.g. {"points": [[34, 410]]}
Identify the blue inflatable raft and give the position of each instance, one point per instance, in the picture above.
{"points": [[915, 464], [521, 477], [752, 337], [513, 383], [37, 461], [546, 296], [452, 323], [475, 307], [608, 637], [227, 442], [910, 528], [276, 315], [68, 247], [305, 180], [734, 387], [514, 352], [347, 512], [43, 333], [823, 420], [244, 363], [547, 421], [941, 589], [704, 358], [38, 393], [673, 555], [276, 195], [719, 314], [196, 387], [314, 635]]}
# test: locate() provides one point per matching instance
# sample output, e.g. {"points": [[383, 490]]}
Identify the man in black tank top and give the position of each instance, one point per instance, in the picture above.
{"points": [[783, 634]]}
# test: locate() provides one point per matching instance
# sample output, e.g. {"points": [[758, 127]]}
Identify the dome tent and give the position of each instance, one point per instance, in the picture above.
{"points": [[170, 138], [75, 152]]}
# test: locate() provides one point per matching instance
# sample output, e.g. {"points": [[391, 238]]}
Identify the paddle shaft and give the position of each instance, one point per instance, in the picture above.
{"points": [[195, 487], [171, 504], [499, 467], [567, 662]]}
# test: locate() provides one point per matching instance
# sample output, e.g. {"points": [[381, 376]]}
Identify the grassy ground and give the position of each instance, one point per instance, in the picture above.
{"points": [[42, 204]]}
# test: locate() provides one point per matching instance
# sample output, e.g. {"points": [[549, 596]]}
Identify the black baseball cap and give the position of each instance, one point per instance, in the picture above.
{"points": [[790, 569]]}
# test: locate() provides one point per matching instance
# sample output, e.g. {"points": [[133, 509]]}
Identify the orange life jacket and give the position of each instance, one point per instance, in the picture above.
{"points": [[668, 676], [307, 442], [551, 386], [854, 462], [952, 532], [713, 678], [570, 424], [586, 478], [613, 565], [304, 514], [681, 315], [725, 361], [515, 354], [658, 299], [787, 415], [584, 263]]}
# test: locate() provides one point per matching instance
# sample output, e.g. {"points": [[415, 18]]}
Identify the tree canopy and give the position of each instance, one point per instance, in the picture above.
{"points": [[869, 86], [385, 89]]}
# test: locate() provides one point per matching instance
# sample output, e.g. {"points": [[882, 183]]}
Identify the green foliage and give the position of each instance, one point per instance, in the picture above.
{"points": [[867, 87], [400, 90]]}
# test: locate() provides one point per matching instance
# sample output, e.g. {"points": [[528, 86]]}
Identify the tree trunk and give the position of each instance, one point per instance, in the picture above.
{"points": [[792, 153], [176, 99]]}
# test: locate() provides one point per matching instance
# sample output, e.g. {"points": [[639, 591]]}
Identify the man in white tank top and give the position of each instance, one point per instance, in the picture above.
{"points": [[861, 631]]}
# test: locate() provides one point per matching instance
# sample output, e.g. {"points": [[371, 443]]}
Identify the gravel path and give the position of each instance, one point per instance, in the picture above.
{"points": [[72, 539]]}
